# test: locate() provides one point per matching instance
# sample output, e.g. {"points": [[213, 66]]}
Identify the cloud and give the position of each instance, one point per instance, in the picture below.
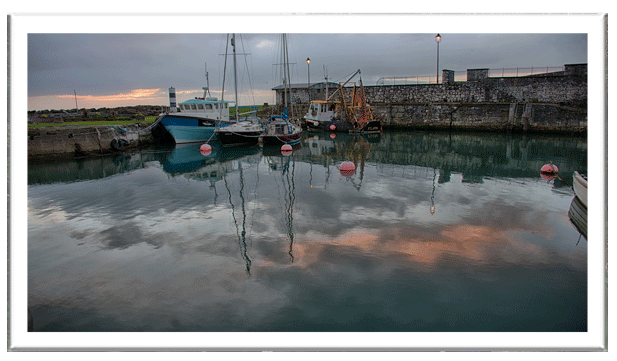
{"points": [[135, 94], [265, 44]]}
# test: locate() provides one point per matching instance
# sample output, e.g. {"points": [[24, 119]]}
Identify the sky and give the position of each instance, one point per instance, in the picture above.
{"points": [[121, 69]]}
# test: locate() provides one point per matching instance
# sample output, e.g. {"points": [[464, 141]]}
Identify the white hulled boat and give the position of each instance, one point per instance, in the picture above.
{"points": [[280, 129], [579, 184], [242, 132]]}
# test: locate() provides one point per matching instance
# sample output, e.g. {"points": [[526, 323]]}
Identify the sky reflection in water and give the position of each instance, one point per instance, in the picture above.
{"points": [[434, 232]]}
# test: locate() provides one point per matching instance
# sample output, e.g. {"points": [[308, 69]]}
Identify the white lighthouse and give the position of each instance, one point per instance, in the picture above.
{"points": [[172, 100]]}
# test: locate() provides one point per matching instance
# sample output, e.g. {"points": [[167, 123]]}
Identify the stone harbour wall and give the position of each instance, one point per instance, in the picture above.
{"points": [[82, 141], [555, 102]]}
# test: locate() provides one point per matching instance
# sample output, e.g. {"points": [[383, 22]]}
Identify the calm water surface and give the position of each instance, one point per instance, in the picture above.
{"points": [[433, 232]]}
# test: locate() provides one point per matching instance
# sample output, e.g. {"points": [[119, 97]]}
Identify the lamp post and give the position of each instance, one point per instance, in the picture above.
{"points": [[308, 66], [437, 40]]}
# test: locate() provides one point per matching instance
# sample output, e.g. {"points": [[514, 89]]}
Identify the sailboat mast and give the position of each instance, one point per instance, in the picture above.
{"points": [[285, 68], [233, 43], [222, 104]]}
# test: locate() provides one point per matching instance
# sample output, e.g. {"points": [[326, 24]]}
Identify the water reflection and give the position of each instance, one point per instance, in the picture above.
{"points": [[432, 232], [476, 156]]}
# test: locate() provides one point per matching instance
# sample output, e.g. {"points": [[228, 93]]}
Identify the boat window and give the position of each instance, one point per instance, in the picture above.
{"points": [[200, 106], [193, 106], [208, 106]]}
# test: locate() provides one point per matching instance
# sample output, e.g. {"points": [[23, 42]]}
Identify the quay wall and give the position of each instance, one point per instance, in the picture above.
{"points": [[554, 102], [83, 141]]}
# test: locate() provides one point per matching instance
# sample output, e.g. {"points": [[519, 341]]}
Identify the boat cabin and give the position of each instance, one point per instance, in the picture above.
{"points": [[211, 106], [322, 110]]}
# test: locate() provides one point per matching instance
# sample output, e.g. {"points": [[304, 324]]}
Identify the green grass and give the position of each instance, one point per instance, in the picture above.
{"points": [[148, 119]]}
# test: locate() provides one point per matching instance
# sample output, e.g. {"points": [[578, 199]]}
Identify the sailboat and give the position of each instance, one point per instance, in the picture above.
{"points": [[350, 114], [242, 132], [280, 129]]}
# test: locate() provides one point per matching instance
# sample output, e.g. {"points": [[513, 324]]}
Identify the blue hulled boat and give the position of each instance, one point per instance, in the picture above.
{"points": [[195, 120]]}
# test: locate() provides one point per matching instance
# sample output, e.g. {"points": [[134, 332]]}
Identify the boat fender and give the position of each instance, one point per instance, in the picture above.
{"points": [[118, 144]]}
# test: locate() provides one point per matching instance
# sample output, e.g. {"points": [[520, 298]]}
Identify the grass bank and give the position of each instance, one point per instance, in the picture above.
{"points": [[98, 122]]}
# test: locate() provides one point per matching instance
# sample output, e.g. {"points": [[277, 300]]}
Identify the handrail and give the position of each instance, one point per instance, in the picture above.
{"points": [[462, 75]]}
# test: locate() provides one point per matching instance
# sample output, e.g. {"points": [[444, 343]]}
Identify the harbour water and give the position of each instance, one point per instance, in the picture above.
{"points": [[432, 232]]}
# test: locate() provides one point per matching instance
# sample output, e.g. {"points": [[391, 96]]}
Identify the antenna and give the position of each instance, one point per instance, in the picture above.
{"points": [[76, 108], [325, 72], [207, 87]]}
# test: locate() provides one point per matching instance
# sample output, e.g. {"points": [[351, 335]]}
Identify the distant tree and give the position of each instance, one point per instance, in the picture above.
{"points": [[85, 112]]}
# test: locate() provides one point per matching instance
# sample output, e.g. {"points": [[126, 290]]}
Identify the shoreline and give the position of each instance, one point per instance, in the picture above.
{"points": [[96, 141]]}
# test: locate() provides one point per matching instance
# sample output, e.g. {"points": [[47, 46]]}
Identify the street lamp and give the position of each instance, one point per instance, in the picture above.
{"points": [[438, 39], [308, 66]]}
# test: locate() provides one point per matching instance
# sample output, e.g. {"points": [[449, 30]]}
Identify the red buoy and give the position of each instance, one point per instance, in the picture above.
{"points": [[332, 136], [205, 149], [549, 169], [347, 165], [332, 127], [347, 169], [286, 150]]}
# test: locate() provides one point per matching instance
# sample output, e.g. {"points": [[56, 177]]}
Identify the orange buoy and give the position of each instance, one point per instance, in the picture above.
{"points": [[205, 149]]}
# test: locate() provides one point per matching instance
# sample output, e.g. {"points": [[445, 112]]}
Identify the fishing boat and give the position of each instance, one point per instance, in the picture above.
{"points": [[280, 129], [195, 120], [322, 114], [579, 184], [350, 113]]}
